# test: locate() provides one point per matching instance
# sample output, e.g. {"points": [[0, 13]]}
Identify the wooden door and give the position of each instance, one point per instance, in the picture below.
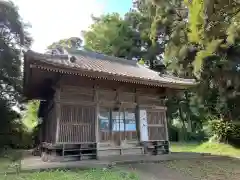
{"points": [[156, 124], [104, 125], [117, 127]]}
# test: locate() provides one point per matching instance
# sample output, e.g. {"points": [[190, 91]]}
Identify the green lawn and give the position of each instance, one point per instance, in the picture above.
{"points": [[74, 175], [10, 161], [7, 165], [207, 147]]}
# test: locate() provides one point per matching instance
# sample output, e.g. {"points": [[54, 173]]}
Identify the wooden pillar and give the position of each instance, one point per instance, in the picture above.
{"points": [[96, 115], [137, 116], [167, 148], [120, 110], [58, 112], [166, 126]]}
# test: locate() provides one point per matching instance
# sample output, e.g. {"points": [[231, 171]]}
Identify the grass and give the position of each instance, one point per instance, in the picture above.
{"points": [[10, 161], [207, 147], [99, 174]]}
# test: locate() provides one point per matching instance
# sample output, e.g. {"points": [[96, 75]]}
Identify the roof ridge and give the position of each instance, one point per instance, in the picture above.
{"points": [[101, 56], [45, 55]]}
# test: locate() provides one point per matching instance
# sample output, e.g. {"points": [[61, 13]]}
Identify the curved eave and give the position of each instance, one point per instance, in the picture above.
{"points": [[108, 76]]}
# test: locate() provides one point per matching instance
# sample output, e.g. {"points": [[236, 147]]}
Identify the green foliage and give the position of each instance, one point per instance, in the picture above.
{"points": [[30, 115], [10, 126], [210, 50], [224, 130], [128, 37], [13, 38], [206, 47], [141, 61], [196, 21], [206, 147], [210, 29], [111, 35], [72, 42]]}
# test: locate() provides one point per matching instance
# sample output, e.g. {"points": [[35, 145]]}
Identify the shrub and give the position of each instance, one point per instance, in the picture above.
{"points": [[224, 130]]}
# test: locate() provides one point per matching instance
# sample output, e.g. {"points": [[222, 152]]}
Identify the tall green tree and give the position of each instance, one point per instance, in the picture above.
{"points": [[140, 18], [168, 32], [208, 49], [13, 38], [111, 35], [216, 35]]}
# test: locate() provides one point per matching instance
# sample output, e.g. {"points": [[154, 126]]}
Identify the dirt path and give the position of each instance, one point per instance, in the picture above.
{"points": [[156, 171], [220, 168]]}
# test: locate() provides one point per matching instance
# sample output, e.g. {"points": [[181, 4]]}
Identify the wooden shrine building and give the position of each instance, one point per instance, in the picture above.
{"points": [[92, 105]]}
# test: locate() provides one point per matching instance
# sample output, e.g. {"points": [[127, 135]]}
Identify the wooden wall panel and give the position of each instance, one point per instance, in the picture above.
{"points": [[131, 135], [126, 96], [79, 81], [76, 93], [156, 133], [77, 124], [150, 99], [106, 95], [105, 136]]}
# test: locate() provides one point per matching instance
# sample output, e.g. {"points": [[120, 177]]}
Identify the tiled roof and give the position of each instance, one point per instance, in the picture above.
{"points": [[95, 62]]}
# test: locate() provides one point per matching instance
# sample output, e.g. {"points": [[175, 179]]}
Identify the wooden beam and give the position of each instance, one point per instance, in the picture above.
{"points": [[153, 107], [82, 103], [156, 125]]}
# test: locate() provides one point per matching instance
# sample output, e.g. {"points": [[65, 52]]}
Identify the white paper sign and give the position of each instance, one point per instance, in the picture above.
{"points": [[143, 125]]}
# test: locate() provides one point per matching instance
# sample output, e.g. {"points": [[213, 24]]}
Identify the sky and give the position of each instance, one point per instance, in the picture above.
{"points": [[52, 20]]}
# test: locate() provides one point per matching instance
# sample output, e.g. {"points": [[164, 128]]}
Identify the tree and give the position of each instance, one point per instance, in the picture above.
{"points": [[217, 60], [142, 18], [72, 42], [207, 48], [13, 37], [111, 35]]}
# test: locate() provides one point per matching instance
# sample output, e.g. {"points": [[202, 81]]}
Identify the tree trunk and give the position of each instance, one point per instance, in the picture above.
{"points": [[183, 135]]}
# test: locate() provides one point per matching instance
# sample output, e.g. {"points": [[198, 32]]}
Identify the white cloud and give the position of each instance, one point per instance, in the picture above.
{"points": [[52, 20]]}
